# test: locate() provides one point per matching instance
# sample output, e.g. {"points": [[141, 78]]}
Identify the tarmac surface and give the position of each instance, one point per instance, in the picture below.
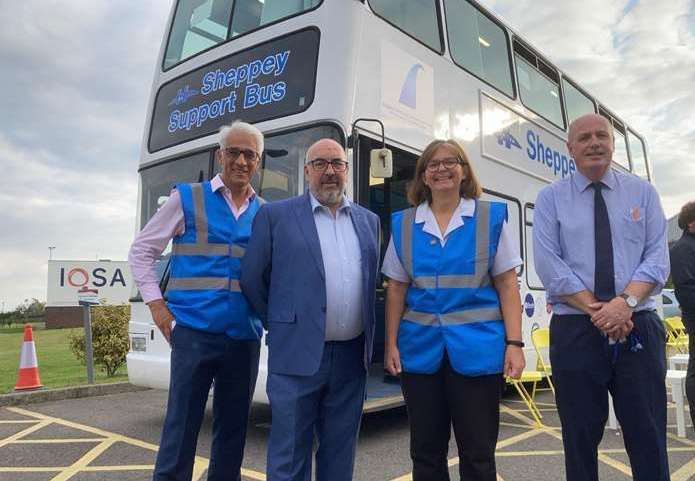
{"points": [[116, 437]]}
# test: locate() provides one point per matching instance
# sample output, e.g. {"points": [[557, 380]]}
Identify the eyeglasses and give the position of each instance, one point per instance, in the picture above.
{"points": [[339, 165], [234, 153], [448, 163]]}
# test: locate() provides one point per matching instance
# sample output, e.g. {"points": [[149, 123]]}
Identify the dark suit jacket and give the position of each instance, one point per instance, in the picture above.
{"points": [[283, 278]]}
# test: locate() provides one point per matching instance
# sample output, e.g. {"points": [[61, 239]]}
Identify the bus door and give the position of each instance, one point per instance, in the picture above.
{"points": [[382, 196]]}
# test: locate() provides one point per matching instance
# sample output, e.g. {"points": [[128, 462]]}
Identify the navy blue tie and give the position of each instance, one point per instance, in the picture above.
{"points": [[604, 272]]}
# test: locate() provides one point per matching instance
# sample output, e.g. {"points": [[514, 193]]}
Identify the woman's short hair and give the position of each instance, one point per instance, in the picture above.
{"points": [[418, 192], [687, 215]]}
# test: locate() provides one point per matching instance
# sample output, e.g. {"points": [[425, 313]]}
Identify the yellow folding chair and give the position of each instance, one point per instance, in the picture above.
{"points": [[540, 337], [528, 376], [676, 336]]}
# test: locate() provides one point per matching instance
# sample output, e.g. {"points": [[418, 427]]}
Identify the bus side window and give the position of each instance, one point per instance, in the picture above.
{"points": [[417, 18], [532, 278], [637, 155], [539, 85], [577, 103], [479, 45], [513, 217]]}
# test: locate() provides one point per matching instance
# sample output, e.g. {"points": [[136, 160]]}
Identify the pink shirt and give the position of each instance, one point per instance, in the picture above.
{"points": [[167, 223]]}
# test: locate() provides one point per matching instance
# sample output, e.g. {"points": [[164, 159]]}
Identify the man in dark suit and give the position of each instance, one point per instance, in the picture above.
{"points": [[310, 272]]}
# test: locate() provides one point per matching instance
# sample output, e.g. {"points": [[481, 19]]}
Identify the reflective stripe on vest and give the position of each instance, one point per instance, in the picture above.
{"points": [[453, 318], [480, 278], [204, 283]]}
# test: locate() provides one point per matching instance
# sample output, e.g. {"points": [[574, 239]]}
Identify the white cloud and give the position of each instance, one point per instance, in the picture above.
{"points": [[76, 77]]}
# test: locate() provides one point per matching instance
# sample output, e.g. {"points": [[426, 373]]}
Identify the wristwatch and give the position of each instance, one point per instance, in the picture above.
{"points": [[511, 342], [631, 301]]}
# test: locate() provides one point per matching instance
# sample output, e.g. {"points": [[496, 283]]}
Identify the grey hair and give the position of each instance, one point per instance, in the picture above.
{"points": [[240, 127]]}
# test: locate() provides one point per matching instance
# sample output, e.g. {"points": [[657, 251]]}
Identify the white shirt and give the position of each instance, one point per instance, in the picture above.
{"points": [[507, 256], [342, 263]]}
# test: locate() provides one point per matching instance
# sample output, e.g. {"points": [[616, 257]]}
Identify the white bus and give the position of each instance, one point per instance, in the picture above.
{"points": [[306, 69]]}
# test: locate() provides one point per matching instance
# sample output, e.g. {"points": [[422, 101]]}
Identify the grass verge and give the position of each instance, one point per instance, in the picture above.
{"points": [[57, 365]]}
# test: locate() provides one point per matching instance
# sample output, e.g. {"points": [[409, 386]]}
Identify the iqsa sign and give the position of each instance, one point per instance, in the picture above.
{"points": [[266, 81], [67, 280]]}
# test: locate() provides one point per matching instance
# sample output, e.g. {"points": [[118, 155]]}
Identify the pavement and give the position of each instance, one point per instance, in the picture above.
{"points": [[115, 437]]}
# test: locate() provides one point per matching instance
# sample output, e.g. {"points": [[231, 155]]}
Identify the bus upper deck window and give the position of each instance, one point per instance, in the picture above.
{"points": [[479, 45], [251, 14], [539, 86], [576, 102], [417, 18], [198, 25]]}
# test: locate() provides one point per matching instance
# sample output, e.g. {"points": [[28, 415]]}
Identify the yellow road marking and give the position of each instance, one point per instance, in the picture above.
{"points": [[18, 421], [91, 455], [58, 441], [106, 441], [685, 472], [24, 432], [41, 469]]}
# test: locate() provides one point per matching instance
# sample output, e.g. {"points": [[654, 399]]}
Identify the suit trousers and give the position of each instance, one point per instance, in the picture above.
{"points": [[327, 403], [197, 359], [471, 403], [585, 368]]}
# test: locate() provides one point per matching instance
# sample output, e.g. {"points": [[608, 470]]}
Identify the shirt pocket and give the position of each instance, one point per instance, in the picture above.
{"points": [[634, 227]]}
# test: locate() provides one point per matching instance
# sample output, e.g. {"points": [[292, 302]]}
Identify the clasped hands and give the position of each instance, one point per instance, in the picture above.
{"points": [[614, 318]]}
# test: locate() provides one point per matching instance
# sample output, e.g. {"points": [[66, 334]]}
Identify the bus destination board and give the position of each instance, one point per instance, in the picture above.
{"points": [[270, 80]]}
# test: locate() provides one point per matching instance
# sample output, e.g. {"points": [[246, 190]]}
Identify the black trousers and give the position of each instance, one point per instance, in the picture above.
{"points": [[434, 402], [585, 369], [690, 377]]}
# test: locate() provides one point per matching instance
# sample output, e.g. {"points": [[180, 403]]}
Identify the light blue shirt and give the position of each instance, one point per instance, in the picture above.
{"points": [[563, 236], [342, 256]]}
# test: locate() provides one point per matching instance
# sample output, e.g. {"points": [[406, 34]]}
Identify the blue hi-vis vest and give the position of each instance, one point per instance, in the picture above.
{"points": [[203, 290], [451, 305]]}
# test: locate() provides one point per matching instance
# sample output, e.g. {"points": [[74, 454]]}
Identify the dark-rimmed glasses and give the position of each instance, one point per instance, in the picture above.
{"points": [[448, 163], [234, 153], [339, 165]]}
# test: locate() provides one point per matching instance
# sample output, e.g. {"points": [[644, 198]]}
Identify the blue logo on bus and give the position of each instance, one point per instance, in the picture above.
{"points": [[183, 96], [529, 305], [409, 90], [508, 140]]}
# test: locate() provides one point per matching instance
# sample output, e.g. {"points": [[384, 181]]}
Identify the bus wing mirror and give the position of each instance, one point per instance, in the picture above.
{"points": [[381, 163]]}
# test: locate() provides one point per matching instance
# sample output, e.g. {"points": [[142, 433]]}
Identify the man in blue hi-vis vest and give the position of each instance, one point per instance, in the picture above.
{"points": [[213, 332]]}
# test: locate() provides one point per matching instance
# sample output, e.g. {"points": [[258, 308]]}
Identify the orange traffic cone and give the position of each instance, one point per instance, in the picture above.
{"points": [[28, 376]]}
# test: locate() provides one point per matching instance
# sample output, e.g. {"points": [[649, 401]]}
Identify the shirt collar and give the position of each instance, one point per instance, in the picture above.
{"points": [[315, 204], [216, 184], [582, 182], [466, 208]]}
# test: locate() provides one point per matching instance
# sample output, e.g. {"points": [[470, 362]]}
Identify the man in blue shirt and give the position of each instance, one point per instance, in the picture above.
{"points": [[600, 250], [310, 272]]}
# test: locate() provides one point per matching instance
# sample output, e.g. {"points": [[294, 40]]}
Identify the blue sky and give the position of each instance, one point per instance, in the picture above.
{"points": [[76, 77]]}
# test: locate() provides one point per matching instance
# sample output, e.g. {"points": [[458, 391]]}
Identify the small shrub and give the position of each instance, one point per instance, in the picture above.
{"points": [[109, 338]]}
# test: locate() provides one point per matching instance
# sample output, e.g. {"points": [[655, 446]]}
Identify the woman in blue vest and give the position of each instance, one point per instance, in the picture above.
{"points": [[453, 314]]}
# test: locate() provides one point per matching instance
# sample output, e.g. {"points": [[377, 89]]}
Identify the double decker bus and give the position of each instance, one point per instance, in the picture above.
{"points": [[302, 70]]}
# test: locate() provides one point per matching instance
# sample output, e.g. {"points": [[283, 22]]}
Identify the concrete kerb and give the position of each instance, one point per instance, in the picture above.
{"points": [[46, 395]]}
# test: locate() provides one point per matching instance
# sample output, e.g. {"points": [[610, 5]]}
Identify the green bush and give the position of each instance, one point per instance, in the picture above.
{"points": [[109, 338]]}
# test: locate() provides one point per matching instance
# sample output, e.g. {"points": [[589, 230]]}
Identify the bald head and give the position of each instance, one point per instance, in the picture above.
{"points": [[590, 142], [588, 119], [323, 146]]}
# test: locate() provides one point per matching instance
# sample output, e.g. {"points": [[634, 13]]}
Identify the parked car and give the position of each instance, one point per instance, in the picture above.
{"points": [[671, 306]]}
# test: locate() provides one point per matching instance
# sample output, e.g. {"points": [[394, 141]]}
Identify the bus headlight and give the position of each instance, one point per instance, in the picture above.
{"points": [[138, 343]]}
